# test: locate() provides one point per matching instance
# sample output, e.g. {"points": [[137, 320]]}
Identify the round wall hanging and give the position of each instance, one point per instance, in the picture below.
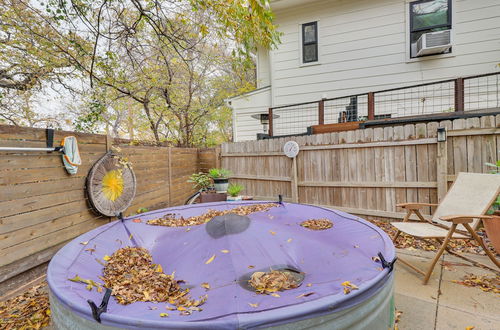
{"points": [[111, 185]]}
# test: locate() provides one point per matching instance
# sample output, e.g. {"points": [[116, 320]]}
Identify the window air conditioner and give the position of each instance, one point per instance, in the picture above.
{"points": [[434, 43]]}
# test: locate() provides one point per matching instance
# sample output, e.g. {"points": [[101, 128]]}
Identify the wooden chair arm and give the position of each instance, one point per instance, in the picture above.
{"points": [[415, 206], [463, 218]]}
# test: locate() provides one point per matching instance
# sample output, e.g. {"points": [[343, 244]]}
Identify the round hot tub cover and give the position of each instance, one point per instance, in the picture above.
{"points": [[338, 268]]}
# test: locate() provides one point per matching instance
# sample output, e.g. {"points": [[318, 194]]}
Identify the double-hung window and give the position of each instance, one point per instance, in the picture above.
{"points": [[428, 16], [310, 42]]}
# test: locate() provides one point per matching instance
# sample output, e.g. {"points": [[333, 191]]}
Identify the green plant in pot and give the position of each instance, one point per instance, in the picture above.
{"points": [[221, 178], [233, 190], [203, 182], [492, 225]]}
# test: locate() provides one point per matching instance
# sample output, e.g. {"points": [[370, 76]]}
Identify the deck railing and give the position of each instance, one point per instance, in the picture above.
{"points": [[463, 94]]}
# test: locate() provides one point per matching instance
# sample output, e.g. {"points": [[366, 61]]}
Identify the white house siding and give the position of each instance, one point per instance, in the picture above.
{"points": [[263, 68], [363, 47], [244, 126]]}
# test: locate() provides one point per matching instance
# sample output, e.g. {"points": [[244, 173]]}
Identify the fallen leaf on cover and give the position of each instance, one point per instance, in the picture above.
{"points": [[84, 243], [188, 228], [356, 246], [289, 240], [205, 285], [130, 237], [348, 287], [91, 250], [90, 283], [224, 251], [309, 284], [272, 232], [317, 224], [170, 219], [163, 314], [159, 269], [275, 295], [376, 259], [137, 220], [210, 260], [106, 258], [253, 305], [251, 267], [470, 327], [305, 294]]}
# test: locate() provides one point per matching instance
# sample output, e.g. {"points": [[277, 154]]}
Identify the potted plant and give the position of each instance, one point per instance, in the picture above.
{"points": [[492, 225], [203, 183], [221, 179], [233, 190]]}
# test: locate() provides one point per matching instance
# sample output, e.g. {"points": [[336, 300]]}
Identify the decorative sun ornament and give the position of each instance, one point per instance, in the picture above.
{"points": [[112, 185]]}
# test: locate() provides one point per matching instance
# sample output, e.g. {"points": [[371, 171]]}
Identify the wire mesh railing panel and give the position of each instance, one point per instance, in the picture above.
{"points": [[416, 100], [482, 92], [346, 109], [294, 119]]}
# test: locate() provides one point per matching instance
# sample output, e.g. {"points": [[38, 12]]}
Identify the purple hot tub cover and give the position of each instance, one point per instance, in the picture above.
{"points": [[272, 239]]}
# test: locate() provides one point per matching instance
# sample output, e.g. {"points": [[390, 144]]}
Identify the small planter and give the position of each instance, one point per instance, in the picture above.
{"points": [[221, 184], [234, 198], [209, 197], [492, 227]]}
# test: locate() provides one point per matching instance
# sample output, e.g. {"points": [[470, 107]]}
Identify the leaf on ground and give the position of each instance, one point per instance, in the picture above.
{"points": [[470, 327], [210, 260]]}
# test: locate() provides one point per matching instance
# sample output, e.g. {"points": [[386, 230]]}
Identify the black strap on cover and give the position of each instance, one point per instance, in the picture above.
{"points": [[385, 263], [103, 307], [280, 199]]}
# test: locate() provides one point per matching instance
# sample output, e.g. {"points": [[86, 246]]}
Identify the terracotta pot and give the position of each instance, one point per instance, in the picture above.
{"points": [[492, 227], [209, 197]]}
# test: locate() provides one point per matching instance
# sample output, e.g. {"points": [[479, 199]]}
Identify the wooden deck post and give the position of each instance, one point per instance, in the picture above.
{"points": [[371, 106], [321, 112], [459, 94], [270, 117]]}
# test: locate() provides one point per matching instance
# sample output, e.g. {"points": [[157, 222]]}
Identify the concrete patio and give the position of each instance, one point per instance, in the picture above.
{"points": [[443, 304]]}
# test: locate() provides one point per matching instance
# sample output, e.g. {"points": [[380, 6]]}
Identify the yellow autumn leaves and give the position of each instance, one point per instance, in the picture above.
{"points": [[112, 185]]}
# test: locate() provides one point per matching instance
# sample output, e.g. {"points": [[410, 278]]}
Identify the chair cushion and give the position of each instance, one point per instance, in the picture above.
{"points": [[424, 230]]}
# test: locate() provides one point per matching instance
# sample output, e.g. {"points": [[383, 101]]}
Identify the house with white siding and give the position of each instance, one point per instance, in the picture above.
{"points": [[340, 51]]}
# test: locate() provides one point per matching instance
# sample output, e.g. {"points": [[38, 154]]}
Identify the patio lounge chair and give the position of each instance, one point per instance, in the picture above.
{"points": [[457, 216]]}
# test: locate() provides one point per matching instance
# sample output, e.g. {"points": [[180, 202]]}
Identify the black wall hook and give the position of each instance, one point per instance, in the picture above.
{"points": [[103, 307]]}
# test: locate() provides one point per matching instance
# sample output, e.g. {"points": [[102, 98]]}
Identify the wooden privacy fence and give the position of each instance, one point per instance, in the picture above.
{"points": [[42, 207], [367, 171]]}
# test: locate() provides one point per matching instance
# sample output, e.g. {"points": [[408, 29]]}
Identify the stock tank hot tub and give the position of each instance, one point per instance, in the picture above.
{"points": [[224, 252]]}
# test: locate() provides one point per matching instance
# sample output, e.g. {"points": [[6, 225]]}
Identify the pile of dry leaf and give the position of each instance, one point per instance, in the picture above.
{"points": [[485, 283], [27, 311], [170, 219], [273, 281], [132, 276], [317, 224], [406, 241]]}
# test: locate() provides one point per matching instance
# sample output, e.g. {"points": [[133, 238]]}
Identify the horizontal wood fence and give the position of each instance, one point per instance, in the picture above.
{"points": [[367, 171], [42, 206]]}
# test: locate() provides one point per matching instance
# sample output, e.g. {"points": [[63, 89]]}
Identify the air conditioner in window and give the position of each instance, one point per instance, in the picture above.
{"points": [[434, 43]]}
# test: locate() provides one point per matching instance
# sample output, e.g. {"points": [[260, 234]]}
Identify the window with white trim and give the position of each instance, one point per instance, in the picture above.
{"points": [[428, 16], [310, 42]]}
